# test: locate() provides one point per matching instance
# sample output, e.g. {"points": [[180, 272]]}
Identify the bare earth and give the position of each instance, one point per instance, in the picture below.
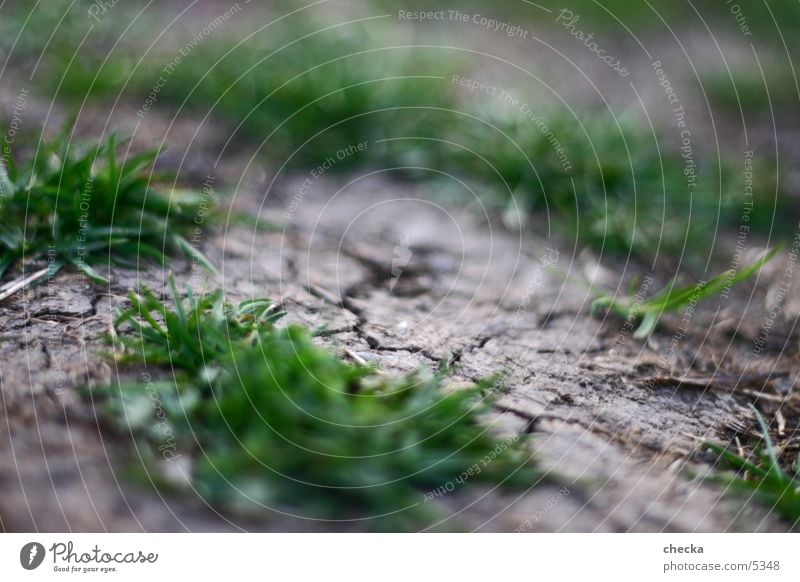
{"points": [[471, 295]]}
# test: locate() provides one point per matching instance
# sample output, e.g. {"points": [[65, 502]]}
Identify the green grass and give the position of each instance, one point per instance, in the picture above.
{"points": [[302, 93], [197, 332], [611, 185], [271, 419], [82, 205], [54, 30], [528, 13], [763, 476], [673, 299], [746, 91], [605, 16]]}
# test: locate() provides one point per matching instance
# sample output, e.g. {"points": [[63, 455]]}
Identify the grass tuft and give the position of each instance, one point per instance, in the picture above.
{"points": [[306, 92], [271, 419], [303, 92], [80, 205], [671, 299], [196, 331]]}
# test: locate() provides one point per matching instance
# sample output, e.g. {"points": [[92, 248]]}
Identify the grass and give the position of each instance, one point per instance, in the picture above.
{"points": [[81, 205], [303, 92], [522, 12], [763, 476], [197, 333], [27, 28], [671, 299], [611, 185], [271, 419], [745, 92], [605, 16]]}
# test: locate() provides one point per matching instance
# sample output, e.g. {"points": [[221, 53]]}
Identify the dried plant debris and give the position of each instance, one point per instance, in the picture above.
{"points": [[763, 474]]}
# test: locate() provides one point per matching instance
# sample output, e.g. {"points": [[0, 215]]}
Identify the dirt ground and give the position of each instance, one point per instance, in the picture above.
{"points": [[399, 278], [470, 295]]}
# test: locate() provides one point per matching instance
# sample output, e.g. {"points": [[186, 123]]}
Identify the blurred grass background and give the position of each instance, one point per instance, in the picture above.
{"points": [[311, 83]]}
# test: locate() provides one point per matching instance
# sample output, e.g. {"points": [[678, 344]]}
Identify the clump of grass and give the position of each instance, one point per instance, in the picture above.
{"points": [[651, 16], [304, 91], [763, 476], [80, 205], [612, 185], [271, 419], [24, 31], [340, 433], [529, 13], [649, 311], [746, 91], [34, 35], [197, 332]]}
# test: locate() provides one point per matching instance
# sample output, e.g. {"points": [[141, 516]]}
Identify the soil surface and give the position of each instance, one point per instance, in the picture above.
{"points": [[623, 447]]}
